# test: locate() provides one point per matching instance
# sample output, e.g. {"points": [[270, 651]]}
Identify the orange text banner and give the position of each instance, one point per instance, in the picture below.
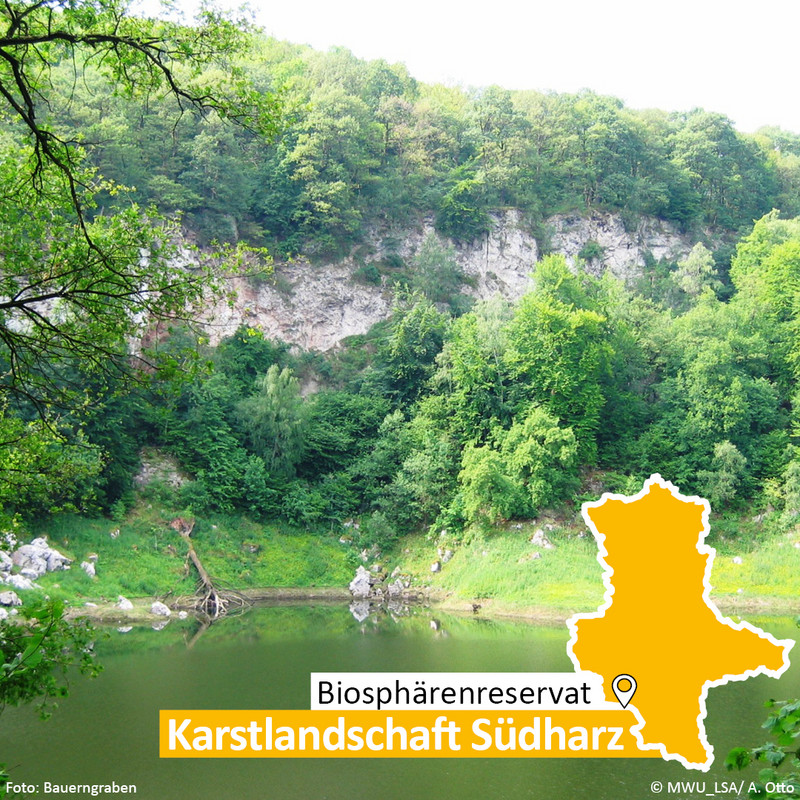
{"points": [[398, 734]]}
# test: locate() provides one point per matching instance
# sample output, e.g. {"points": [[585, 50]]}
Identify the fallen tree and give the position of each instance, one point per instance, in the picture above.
{"points": [[209, 598]]}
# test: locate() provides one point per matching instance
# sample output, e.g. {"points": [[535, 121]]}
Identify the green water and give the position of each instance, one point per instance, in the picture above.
{"points": [[107, 729]]}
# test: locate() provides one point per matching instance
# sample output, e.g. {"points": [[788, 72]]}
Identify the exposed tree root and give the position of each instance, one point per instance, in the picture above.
{"points": [[210, 599]]}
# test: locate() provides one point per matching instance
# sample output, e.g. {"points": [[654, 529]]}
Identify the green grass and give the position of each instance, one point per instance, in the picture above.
{"points": [[148, 558], [494, 568], [772, 570], [498, 566]]}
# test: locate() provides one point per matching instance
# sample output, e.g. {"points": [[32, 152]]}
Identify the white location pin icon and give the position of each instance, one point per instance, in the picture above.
{"points": [[624, 687]]}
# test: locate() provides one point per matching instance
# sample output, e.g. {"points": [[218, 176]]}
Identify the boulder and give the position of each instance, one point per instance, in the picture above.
{"points": [[29, 574], [36, 558], [5, 562], [31, 559], [10, 599], [361, 585], [89, 568], [56, 561], [124, 603], [17, 581], [159, 609], [436, 566], [3, 614], [540, 540]]}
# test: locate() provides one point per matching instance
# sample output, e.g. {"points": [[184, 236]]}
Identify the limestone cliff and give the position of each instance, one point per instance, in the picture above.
{"points": [[316, 306]]}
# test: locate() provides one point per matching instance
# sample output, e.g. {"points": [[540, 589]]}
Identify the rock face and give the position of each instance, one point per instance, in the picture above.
{"points": [[622, 252], [315, 306], [311, 306], [157, 466]]}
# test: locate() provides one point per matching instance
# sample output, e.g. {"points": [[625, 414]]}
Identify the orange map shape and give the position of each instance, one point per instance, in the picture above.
{"points": [[658, 623]]}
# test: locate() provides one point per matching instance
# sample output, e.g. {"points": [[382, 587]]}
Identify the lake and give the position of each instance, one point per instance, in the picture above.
{"points": [[107, 729]]}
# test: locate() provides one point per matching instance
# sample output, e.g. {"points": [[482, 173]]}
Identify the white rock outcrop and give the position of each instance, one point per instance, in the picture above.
{"points": [[361, 585], [17, 581], [159, 609], [316, 306], [623, 250], [540, 539], [11, 599], [89, 568], [156, 466], [35, 559]]}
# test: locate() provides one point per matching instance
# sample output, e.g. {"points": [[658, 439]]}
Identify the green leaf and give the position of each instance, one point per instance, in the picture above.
{"points": [[767, 775], [738, 758]]}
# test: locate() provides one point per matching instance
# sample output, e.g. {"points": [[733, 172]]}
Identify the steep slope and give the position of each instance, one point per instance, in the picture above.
{"points": [[315, 306]]}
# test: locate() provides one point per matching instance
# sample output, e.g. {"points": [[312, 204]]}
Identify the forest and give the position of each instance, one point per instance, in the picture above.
{"points": [[146, 164], [451, 413]]}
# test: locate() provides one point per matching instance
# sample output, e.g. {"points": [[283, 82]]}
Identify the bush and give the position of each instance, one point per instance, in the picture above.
{"points": [[376, 531], [367, 274], [591, 250]]}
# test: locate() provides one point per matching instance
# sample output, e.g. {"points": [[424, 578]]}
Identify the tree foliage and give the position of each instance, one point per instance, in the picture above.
{"points": [[779, 756], [74, 284], [38, 653], [274, 420]]}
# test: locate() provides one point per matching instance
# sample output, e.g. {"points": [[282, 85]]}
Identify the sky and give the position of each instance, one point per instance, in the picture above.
{"points": [[740, 59]]}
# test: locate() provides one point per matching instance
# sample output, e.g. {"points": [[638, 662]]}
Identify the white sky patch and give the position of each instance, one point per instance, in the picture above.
{"points": [[737, 59]]}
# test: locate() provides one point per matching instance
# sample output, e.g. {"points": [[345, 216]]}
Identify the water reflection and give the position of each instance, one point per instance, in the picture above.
{"points": [[107, 729]]}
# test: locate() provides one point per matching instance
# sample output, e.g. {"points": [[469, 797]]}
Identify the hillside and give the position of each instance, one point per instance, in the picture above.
{"points": [[459, 309], [317, 305]]}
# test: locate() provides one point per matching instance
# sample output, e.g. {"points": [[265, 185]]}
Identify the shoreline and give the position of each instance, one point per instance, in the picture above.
{"points": [[108, 613]]}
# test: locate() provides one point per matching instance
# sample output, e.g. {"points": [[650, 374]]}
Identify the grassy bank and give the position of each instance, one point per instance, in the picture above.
{"points": [[143, 557], [505, 571], [501, 570]]}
